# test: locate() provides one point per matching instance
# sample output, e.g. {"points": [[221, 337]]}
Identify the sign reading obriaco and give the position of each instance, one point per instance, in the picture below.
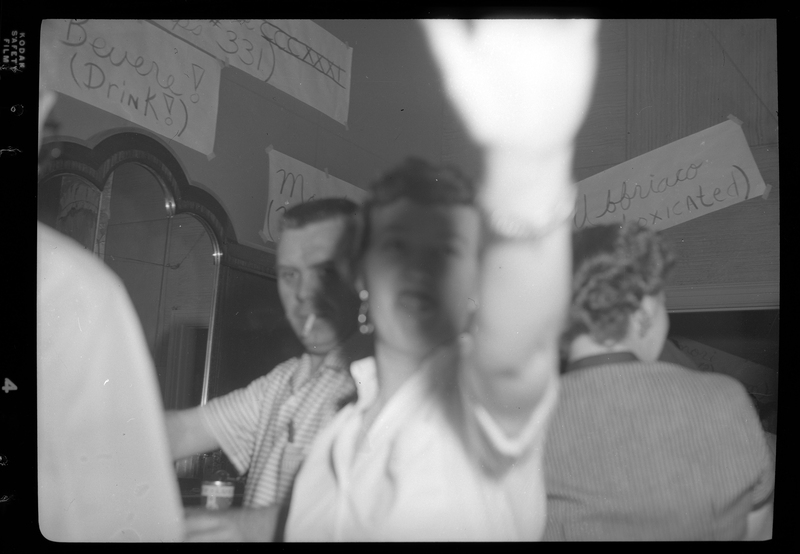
{"points": [[689, 178], [293, 182], [137, 71], [295, 55]]}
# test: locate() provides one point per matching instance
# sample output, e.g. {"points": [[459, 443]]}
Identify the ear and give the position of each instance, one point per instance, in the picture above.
{"points": [[646, 314], [359, 282]]}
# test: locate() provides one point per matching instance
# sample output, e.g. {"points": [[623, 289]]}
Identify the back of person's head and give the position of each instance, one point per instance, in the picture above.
{"points": [[614, 267]]}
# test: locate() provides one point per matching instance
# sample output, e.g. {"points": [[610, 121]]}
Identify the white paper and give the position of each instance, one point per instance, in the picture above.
{"points": [[292, 182], [686, 179], [296, 56], [137, 71]]}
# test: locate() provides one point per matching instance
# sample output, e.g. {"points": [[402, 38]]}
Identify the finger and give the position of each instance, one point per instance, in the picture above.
{"points": [[448, 40], [452, 49]]}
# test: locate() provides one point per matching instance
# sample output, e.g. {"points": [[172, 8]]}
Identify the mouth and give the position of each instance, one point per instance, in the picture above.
{"points": [[418, 302], [309, 324], [307, 319]]}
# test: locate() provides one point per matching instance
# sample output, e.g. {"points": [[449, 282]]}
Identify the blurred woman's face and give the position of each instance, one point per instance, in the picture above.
{"points": [[421, 269]]}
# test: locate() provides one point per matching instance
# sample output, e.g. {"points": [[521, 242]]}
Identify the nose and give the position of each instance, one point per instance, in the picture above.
{"points": [[423, 265], [308, 288]]}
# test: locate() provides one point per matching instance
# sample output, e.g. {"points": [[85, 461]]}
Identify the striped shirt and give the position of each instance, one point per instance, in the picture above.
{"points": [[266, 428], [652, 451]]}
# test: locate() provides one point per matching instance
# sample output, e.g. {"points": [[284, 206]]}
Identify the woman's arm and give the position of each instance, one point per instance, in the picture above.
{"points": [[523, 302], [522, 88]]}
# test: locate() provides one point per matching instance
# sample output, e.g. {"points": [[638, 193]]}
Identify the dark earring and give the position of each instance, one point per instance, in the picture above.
{"points": [[364, 326]]}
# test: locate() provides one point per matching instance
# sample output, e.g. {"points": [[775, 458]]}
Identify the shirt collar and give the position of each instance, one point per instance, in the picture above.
{"points": [[601, 359], [365, 375], [335, 360]]}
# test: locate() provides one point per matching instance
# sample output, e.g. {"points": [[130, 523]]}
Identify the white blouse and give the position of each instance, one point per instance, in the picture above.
{"points": [[433, 467]]}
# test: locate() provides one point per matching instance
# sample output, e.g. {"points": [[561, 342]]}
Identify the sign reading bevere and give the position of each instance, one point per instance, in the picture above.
{"points": [[137, 71]]}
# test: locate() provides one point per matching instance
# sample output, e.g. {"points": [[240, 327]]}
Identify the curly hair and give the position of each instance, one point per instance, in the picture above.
{"points": [[613, 268]]}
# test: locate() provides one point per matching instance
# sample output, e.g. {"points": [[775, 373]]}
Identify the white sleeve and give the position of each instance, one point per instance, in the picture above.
{"points": [[493, 440], [233, 419], [105, 472]]}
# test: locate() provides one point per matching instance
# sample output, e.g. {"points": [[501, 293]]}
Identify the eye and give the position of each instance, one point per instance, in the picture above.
{"points": [[393, 245], [288, 276], [449, 250], [328, 273]]}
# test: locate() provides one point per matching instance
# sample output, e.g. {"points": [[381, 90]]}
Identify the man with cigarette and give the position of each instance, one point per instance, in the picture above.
{"points": [[266, 427]]}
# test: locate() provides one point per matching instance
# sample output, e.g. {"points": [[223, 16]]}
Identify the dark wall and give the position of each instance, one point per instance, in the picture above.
{"points": [[752, 335], [251, 334]]}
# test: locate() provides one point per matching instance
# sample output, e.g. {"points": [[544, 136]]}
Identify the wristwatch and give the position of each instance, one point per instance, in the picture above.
{"points": [[535, 225]]}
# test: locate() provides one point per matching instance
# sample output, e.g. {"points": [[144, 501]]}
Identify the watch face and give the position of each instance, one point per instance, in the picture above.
{"points": [[534, 226]]}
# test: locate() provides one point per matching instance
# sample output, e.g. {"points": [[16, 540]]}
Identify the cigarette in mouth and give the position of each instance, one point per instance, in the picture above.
{"points": [[309, 324]]}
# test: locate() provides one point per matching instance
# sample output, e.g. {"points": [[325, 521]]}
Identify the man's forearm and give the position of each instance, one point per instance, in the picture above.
{"points": [[187, 433]]}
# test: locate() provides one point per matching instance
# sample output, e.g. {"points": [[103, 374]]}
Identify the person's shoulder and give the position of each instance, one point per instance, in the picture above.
{"points": [[292, 363], [62, 259], [282, 371], [59, 251], [695, 375], [273, 382], [663, 378], [713, 388]]}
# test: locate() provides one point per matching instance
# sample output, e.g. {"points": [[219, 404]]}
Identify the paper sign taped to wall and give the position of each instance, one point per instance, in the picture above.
{"points": [[137, 71], [295, 55], [293, 182], [686, 179]]}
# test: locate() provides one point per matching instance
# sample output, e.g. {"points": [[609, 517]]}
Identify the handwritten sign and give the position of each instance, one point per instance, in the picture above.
{"points": [[292, 182], [137, 71], [297, 56], [689, 178]]}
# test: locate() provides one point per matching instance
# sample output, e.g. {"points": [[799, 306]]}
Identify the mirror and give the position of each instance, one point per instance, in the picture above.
{"points": [[168, 262], [70, 204]]}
